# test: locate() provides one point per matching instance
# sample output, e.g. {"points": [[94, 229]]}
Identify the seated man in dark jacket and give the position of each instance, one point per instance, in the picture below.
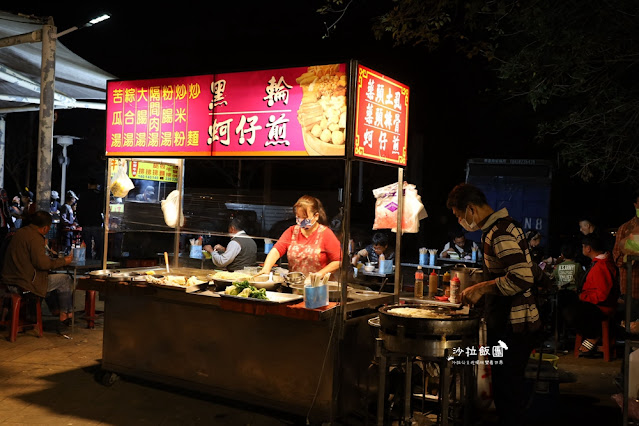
{"points": [[26, 264]]}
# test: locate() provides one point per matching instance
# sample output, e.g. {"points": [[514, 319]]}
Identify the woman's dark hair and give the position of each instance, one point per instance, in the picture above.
{"points": [[380, 239], [463, 194]]}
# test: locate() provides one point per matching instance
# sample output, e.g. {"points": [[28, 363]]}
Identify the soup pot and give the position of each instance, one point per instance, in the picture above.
{"points": [[468, 276]]}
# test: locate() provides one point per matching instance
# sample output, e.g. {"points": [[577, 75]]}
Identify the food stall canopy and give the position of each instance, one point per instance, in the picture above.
{"points": [[288, 112], [77, 82]]}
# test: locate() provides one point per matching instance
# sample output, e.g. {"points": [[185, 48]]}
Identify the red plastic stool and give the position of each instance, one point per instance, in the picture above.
{"points": [[608, 342], [16, 319]]}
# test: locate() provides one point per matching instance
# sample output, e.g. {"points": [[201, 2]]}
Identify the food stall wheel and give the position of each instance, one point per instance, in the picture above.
{"points": [[107, 378]]}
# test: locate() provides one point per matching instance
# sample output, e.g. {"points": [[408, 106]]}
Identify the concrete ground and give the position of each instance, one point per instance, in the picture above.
{"points": [[52, 380]]}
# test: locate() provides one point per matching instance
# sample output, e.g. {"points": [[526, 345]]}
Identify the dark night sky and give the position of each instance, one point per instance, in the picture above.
{"points": [[450, 110]]}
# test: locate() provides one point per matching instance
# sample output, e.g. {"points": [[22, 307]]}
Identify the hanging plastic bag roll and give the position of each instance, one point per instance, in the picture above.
{"points": [[386, 206], [122, 184], [170, 208]]}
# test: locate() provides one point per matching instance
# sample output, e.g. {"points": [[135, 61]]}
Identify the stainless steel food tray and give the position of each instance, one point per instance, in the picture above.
{"points": [[200, 286], [103, 273], [273, 297], [122, 276]]}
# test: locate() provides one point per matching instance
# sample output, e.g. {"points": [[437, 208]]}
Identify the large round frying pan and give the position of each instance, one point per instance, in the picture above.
{"points": [[455, 325]]}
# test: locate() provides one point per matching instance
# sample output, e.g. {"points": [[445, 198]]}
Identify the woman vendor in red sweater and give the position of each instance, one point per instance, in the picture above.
{"points": [[310, 245]]}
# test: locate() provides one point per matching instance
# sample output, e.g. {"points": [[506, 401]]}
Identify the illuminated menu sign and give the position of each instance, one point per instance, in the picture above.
{"points": [[382, 117], [283, 112], [168, 117], [153, 171]]}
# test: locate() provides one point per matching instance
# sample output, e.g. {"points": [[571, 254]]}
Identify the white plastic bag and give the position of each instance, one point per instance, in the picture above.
{"points": [[386, 207], [170, 208], [122, 184]]}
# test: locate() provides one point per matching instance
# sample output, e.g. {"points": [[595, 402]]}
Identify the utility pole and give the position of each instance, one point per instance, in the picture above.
{"points": [[45, 135]]}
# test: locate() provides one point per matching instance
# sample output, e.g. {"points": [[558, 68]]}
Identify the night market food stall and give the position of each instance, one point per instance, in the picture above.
{"points": [[306, 124]]}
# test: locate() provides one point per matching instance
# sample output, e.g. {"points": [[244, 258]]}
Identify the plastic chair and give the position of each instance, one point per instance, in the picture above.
{"points": [[607, 339], [17, 311]]}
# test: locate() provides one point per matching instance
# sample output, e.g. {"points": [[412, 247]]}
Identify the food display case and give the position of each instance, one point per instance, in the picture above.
{"points": [[247, 143]]}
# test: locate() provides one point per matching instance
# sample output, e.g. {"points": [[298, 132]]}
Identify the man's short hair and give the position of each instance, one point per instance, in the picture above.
{"points": [[594, 242], [457, 232], [41, 218], [380, 239], [238, 222], [463, 194]]}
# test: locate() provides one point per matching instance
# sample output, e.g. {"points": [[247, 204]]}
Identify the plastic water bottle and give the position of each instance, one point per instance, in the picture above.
{"points": [[419, 283]]}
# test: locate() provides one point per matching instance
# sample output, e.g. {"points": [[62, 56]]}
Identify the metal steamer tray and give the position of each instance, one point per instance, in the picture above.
{"points": [[273, 297], [201, 285], [123, 276], [431, 337], [103, 273]]}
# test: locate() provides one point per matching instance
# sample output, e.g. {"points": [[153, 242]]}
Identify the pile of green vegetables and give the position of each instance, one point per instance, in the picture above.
{"points": [[245, 289]]}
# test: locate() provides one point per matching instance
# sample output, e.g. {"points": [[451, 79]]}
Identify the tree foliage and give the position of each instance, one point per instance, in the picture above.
{"points": [[572, 61]]}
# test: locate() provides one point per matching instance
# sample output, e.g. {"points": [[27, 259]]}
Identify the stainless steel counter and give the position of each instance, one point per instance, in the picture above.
{"points": [[286, 359]]}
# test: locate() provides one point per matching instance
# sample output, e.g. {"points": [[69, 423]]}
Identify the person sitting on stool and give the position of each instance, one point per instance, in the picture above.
{"points": [[373, 251], [26, 265]]}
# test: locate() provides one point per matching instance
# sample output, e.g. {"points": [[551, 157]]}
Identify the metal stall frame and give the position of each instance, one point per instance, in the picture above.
{"points": [[344, 310]]}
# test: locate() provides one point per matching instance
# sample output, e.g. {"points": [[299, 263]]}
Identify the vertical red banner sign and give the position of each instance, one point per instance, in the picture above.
{"points": [[381, 125]]}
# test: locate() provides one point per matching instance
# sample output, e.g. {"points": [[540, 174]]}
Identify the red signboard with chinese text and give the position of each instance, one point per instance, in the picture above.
{"points": [[282, 112], [168, 116], [381, 124]]}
